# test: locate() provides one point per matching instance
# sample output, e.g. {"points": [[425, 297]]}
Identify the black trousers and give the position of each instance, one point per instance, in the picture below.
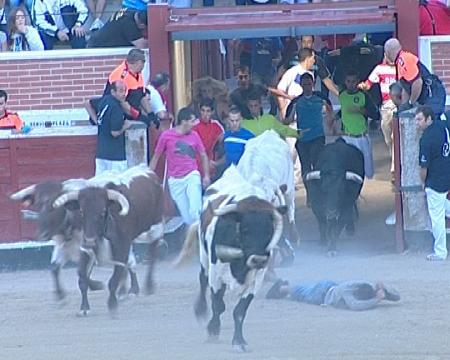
{"points": [[308, 153]]}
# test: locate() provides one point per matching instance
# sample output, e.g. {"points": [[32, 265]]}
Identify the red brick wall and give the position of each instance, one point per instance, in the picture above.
{"points": [[55, 83], [440, 55]]}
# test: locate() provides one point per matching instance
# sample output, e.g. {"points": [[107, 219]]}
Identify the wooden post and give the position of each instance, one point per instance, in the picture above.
{"points": [[408, 24]]}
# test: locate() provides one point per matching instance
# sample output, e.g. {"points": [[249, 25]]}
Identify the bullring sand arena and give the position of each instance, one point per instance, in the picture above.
{"points": [[163, 325]]}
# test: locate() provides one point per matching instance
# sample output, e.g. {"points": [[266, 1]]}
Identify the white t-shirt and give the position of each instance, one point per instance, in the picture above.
{"points": [[156, 101], [290, 81]]}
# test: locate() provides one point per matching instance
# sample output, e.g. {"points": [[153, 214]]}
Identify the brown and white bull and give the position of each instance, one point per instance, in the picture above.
{"points": [[117, 210], [237, 232], [62, 226]]}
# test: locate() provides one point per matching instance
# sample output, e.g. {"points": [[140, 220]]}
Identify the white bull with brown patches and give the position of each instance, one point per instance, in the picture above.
{"points": [[237, 232]]}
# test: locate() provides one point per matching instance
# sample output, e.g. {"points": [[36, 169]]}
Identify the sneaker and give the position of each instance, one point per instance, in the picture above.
{"points": [[391, 294], [434, 257], [390, 220], [96, 25]]}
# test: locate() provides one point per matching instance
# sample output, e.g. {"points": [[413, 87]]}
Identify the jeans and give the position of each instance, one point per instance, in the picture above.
{"points": [[312, 294], [308, 152]]}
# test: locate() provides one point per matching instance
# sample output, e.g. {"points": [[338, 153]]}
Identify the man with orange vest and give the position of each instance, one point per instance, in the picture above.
{"points": [[137, 105], [424, 87], [8, 119]]}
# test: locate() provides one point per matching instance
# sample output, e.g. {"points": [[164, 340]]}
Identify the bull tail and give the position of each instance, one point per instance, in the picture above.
{"points": [[188, 246]]}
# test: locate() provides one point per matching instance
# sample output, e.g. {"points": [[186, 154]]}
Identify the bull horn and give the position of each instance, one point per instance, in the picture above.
{"points": [[65, 198], [277, 230], [280, 197], [22, 194], [225, 209], [228, 253], [114, 195], [313, 175], [29, 215], [349, 175]]}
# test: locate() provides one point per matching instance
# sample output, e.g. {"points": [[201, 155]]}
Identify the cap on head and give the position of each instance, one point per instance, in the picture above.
{"points": [[391, 48]]}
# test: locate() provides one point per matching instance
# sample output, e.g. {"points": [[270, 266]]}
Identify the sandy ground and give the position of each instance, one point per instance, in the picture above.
{"points": [[163, 325]]}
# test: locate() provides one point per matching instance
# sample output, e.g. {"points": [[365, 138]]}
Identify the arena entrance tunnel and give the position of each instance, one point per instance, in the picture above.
{"points": [[176, 35]]}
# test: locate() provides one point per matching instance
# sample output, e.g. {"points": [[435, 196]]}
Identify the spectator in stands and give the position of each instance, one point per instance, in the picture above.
{"points": [[235, 137], [211, 134], [126, 28], [181, 146], [130, 72], [238, 96], [59, 20], [8, 119], [4, 13], [139, 5], [261, 122], [158, 100], [423, 86], [384, 74], [356, 107], [22, 36], [434, 160], [96, 8], [110, 154], [351, 295]]}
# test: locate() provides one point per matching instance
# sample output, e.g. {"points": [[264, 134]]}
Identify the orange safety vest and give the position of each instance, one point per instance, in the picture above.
{"points": [[10, 120], [131, 80]]}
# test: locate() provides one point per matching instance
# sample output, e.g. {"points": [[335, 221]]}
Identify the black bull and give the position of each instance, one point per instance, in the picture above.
{"points": [[333, 188], [118, 214]]}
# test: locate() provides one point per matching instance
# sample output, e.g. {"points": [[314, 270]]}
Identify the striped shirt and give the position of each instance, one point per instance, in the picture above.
{"points": [[234, 144]]}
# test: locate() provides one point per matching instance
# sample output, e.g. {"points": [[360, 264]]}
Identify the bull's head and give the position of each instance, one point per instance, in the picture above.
{"points": [[37, 201], [332, 186], [94, 204], [248, 231]]}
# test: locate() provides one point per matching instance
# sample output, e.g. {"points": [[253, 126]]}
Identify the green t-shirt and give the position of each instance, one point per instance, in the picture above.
{"points": [[354, 123], [267, 122]]}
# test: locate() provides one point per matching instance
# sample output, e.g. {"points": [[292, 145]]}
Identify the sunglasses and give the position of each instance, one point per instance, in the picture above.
{"points": [[243, 77]]}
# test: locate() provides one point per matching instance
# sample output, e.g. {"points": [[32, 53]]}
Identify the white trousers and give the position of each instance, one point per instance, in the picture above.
{"points": [[387, 115], [102, 165], [187, 194], [297, 167], [437, 203], [364, 144]]}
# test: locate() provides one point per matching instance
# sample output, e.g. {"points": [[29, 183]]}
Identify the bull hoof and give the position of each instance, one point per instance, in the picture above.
{"points": [[112, 304], [200, 309], [149, 288], [332, 253], [60, 295], [83, 313], [213, 339], [95, 285], [241, 348]]}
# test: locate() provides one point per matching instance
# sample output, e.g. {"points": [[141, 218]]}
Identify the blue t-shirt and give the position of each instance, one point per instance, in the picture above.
{"points": [[263, 51], [234, 144], [140, 5], [434, 154], [309, 115]]}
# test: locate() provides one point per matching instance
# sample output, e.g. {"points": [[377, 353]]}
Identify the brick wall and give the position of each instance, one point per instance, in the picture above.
{"points": [[440, 58], [60, 79]]}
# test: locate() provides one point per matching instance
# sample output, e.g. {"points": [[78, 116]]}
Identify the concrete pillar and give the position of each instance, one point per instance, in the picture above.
{"points": [[136, 144], [415, 213]]}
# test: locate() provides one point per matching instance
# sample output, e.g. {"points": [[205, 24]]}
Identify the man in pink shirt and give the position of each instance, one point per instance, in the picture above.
{"points": [[384, 74], [181, 146]]}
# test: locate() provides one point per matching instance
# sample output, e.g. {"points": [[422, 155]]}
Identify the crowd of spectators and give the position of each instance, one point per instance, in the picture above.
{"points": [[81, 23]]}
